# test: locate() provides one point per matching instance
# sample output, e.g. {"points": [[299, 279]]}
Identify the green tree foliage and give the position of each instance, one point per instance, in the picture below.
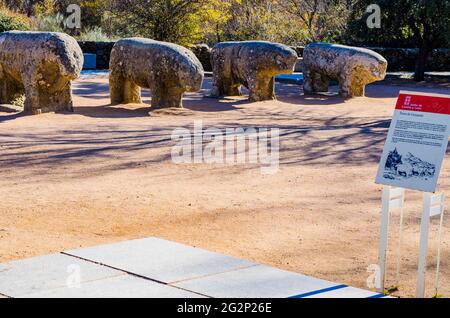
{"points": [[165, 20], [249, 20], [23, 6], [91, 11], [258, 20], [320, 19], [212, 21], [424, 24]]}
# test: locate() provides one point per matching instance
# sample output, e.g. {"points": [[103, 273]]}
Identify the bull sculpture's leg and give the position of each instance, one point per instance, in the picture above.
{"points": [[358, 91], [314, 82], [223, 83], [232, 89], [32, 104], [10, 90], [166, 97], [53, 89], [132, 93], [261, 88], [345, 87], [60, 100], [116, 87], [122, 90], [320, 83], [357, 86], [216, 90], [225, 87], [308, 84], [39, 99]]}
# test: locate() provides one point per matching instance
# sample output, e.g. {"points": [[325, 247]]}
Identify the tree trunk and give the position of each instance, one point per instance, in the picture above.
{"points": [[425, 49], [421, 61], [218, 37]]}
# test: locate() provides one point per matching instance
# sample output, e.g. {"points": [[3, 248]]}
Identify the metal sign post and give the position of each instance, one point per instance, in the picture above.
{"points": [[392, 198], [433, 206]]}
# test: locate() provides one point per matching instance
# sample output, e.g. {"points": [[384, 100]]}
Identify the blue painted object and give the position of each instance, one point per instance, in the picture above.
{"points": [[321, 291], [296, 78], [90, 61]]}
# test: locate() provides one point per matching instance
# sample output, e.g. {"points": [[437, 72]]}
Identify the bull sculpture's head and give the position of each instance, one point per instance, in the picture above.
{"points": [[284, 60], [191, 73]]}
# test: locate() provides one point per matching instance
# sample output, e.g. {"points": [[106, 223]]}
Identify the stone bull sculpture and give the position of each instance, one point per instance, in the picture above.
{"points": [[253, 64], [352, 67], [40, 65], [168, 70]]}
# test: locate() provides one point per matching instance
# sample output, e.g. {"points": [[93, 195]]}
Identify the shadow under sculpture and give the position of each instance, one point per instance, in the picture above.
{"points": [[41, 66], [253, 64], [352, 67], [167, 69]]}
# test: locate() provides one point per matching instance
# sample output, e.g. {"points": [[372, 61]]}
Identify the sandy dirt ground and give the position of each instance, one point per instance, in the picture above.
{"points": [[104, 174]]}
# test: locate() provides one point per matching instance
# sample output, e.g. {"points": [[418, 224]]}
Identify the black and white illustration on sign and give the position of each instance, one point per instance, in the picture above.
{"points": [[404, 166]]}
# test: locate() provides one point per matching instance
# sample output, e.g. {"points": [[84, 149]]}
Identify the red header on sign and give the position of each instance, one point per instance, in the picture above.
{"points": [[422, 103]]}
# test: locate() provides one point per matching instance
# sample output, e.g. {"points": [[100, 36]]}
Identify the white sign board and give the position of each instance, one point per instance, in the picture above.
{"points": [[417, 142]]}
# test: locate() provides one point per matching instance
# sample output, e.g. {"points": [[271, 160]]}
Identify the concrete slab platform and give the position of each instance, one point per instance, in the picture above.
{"points": [[255, 282], [125, 286], [155, 268], [38, 274], [160, 260]]}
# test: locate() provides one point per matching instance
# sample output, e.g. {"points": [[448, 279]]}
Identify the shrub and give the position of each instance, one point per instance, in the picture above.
{"points": [[52, 23], [95, 34], [13, 21]]}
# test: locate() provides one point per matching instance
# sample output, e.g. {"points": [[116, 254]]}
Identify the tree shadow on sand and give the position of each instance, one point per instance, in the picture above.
{"points": [[106, 148], [293, 94], [305, 138], [12, 116]]}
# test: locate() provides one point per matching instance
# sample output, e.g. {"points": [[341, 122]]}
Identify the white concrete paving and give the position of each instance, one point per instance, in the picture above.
{"points": [[47, 272], [155, 268], [125, 286], [160, 260], [255, 282]]}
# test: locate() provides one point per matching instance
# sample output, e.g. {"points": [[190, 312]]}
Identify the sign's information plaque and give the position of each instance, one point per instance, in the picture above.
{"points": [[417, 142]]}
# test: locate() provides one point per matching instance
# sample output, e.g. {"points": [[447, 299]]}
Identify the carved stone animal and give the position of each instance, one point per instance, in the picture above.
{"points": [[253, 64], [168, 70], [352, 67], [41, 66]]}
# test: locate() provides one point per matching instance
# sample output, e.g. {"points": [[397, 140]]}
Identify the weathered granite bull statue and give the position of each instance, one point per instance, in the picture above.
{"points": [[352, 67], [40, 65], [168, 70], [253, 64]]}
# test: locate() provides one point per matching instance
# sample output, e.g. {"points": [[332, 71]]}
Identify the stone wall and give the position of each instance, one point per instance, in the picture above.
{"points": [[101, 49], [399, 59], [405, 59]]}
